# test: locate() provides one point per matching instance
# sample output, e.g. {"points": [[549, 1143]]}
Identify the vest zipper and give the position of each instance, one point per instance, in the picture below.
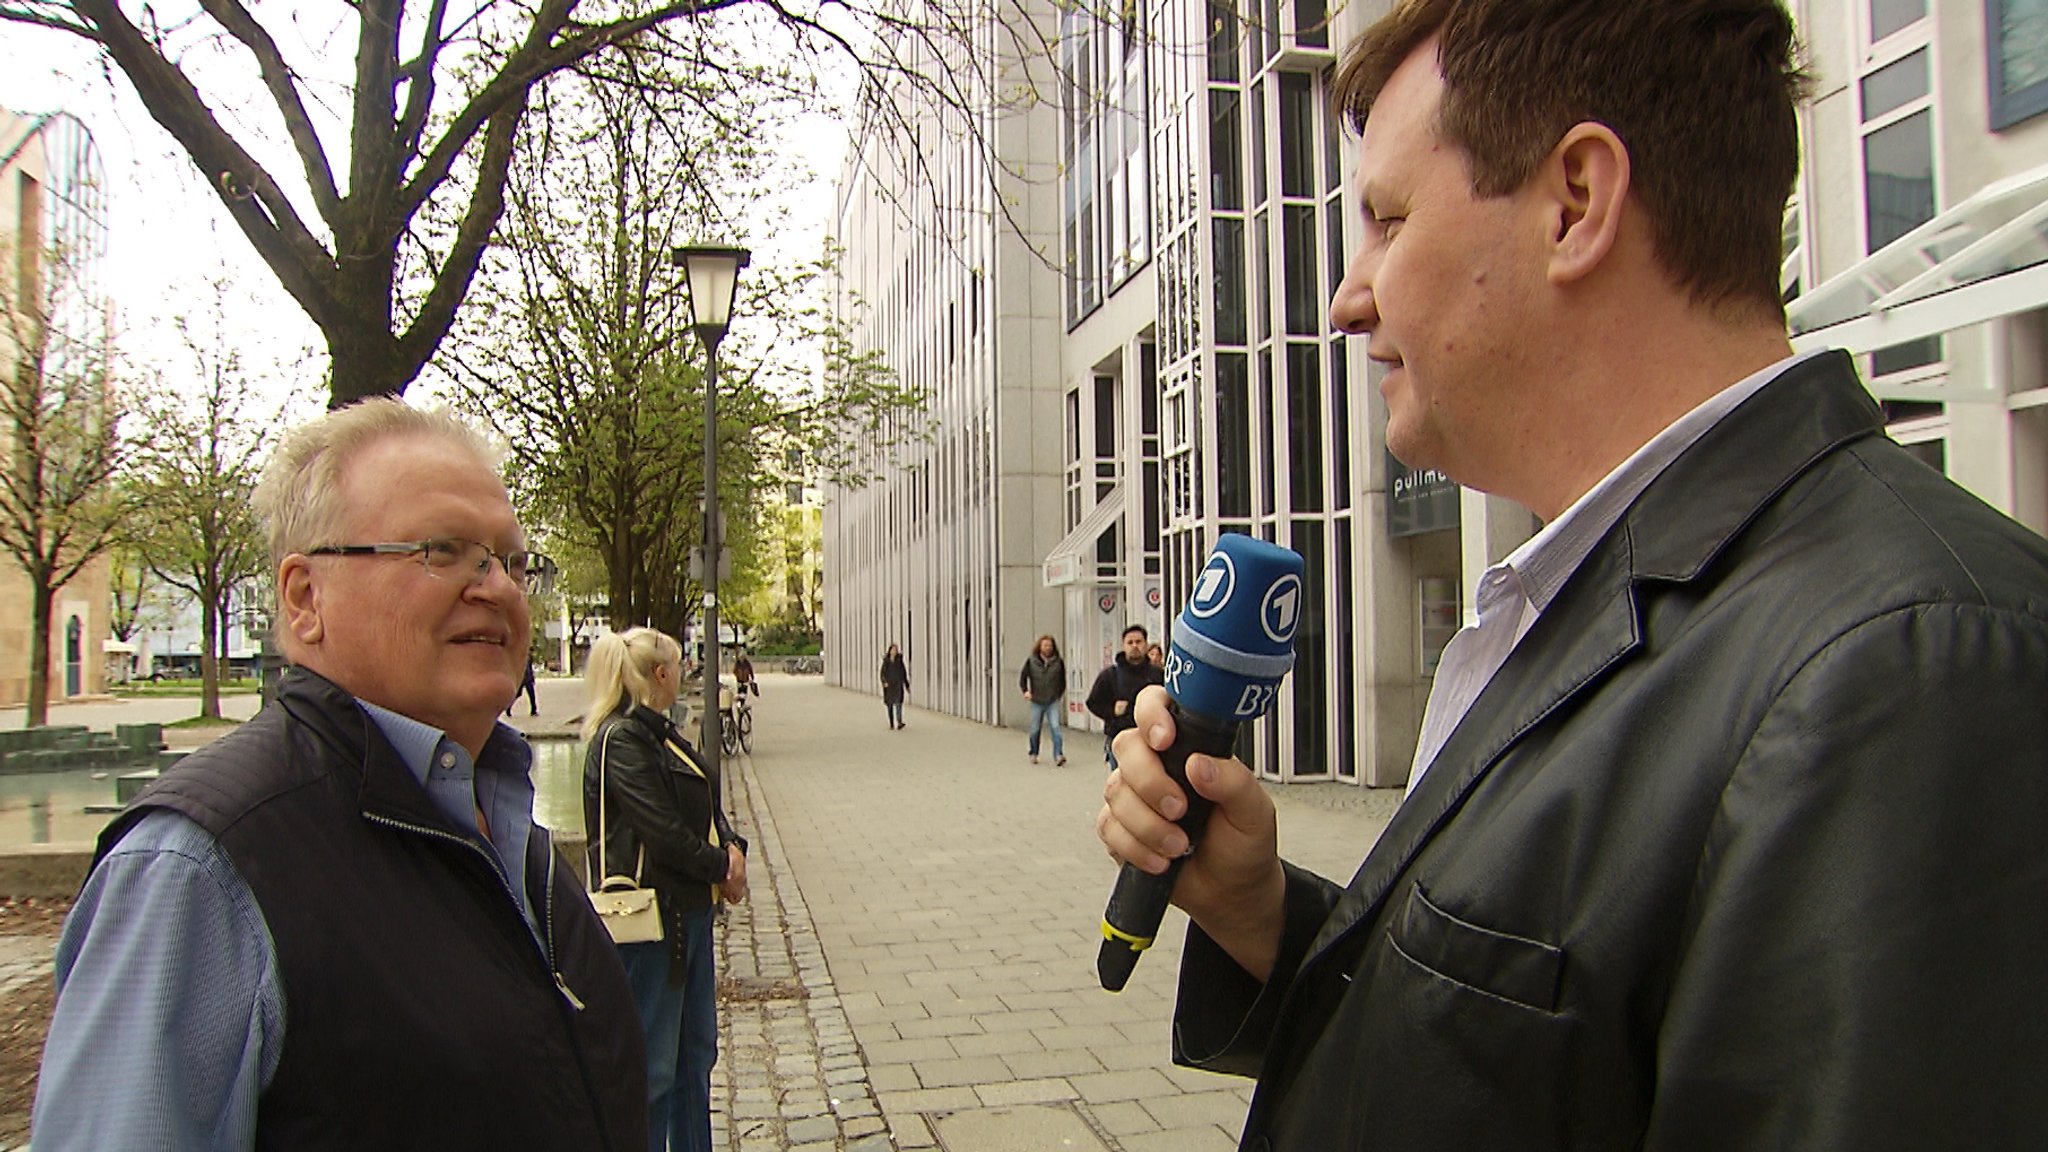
{"points": [[548, 918], [547, 951], [547, 957]]}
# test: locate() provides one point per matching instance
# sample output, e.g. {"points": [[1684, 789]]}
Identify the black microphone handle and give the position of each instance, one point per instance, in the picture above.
{"points": [[1138, 902]]}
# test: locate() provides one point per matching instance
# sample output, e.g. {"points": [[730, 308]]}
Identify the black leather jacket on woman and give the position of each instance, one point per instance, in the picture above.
{"points": [[656, 802]]}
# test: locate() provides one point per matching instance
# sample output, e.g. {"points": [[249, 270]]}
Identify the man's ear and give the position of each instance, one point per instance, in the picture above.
{"points": [[298, 599], [1587, 179]]}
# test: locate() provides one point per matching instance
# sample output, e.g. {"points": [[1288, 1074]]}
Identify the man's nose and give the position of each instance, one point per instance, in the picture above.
{"points": [[1353, 308]]}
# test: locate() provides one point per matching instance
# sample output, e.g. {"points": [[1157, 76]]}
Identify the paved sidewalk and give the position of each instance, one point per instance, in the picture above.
{"points": [[941, 896]]}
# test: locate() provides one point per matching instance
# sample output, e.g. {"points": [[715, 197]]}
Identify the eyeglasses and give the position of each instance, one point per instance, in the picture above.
{"points": [[462, 561]]}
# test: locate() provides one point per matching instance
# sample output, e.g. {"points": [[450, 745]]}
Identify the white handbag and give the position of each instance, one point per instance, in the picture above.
{"points": [[632, 914]]}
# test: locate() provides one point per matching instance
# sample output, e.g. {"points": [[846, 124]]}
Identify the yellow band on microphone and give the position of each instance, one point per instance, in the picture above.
{"points": [[1137, 943]]}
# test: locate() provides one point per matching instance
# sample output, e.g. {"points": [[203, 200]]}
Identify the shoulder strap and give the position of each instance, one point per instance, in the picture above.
{"points": [[604, 827]]}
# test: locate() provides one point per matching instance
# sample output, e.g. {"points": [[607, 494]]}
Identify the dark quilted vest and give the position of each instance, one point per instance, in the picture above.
{"points": [[419, 1010]]}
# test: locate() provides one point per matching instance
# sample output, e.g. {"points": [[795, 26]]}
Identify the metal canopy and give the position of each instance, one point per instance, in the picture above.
{"points": [[1073, 554], [1983, 259]]}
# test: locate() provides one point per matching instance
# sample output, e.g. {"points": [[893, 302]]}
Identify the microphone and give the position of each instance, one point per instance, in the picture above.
{"points": [[1232, 645]]}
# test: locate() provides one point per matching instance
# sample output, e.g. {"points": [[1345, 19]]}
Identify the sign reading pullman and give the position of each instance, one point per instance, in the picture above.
{"points": [[1418, 502]]}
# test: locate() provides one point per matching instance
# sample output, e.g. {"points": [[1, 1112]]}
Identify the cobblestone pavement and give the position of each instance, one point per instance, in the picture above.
{"points": [[790, 1073]]}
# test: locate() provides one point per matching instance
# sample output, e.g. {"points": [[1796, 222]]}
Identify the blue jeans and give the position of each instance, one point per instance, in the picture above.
{"points": [[681, 1025], [895, 711], [1047, 714]]}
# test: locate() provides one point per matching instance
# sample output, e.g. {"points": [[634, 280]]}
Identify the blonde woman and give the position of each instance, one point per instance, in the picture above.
{"points": [[665, 825]]}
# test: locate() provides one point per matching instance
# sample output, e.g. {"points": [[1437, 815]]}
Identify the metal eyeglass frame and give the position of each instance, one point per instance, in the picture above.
{"points": [[468, 563]]}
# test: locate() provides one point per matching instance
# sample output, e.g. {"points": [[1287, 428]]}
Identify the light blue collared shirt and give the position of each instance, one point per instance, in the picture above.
{"points": [[171, 1015], [1514, 592]]}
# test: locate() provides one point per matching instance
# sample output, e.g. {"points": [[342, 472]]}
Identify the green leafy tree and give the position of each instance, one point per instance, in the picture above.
{"points": [[196, 470], [59, 507], [576, 353], [135, 595]]}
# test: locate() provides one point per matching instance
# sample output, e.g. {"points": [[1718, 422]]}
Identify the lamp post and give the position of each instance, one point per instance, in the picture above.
{"points": [[714, 275]]}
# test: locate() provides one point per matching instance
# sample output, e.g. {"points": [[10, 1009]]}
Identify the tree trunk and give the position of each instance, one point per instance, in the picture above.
{"points": [[209, 658], [42, 598], [361, 365]]}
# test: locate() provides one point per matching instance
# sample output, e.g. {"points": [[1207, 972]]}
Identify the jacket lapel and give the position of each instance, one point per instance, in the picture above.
{"points": [[1567, 650], [1671, 534]]}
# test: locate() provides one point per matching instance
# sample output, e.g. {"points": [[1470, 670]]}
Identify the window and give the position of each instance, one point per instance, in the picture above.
{"points": [[2016, 41], [1233, 436], [1895, 100], [1226, 165], [1229, 286], [1898, 179], [1304, 428], [29, 240], [1889, 16]]}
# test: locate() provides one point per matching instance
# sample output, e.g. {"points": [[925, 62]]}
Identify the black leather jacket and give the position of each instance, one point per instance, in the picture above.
{"points": [[657, 803], [1740, 849]]}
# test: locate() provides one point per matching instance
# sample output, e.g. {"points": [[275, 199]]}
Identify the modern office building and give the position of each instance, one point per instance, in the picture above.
{"points": [[949, 217], [1919, 239], [53, 200], [1173, 375]]}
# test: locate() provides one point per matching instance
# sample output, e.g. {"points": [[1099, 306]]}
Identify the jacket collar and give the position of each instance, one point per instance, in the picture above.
{"points": [[1673, 532], [387, 789]]}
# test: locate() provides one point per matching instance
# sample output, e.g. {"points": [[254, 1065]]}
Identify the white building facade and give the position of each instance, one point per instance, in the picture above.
{"points": [[949, 268], [1920, 235], [1181, 379]]}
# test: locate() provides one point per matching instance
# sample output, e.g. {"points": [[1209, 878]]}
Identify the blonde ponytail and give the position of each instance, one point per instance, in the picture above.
{"points": [[622, 665]]}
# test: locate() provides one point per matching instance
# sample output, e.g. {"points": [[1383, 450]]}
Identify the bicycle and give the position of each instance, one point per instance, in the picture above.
{"points": [[735, 722]]}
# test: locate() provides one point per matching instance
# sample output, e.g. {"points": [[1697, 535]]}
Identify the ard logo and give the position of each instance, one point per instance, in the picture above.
{"points": [[1213, 587], [1280, 611]]}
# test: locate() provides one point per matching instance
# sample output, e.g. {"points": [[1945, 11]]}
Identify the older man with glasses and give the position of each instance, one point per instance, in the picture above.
{"points": [[339, 926]]}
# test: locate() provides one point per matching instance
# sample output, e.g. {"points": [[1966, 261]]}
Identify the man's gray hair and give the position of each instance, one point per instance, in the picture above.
{"points": [[299, 499]]}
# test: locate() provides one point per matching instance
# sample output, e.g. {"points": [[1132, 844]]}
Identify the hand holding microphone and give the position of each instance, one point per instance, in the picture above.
{"points": [[1232, 645]]}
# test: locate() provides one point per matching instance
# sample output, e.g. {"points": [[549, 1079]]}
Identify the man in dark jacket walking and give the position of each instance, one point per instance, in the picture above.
{"points": [[339, 926], [1116, 688]]}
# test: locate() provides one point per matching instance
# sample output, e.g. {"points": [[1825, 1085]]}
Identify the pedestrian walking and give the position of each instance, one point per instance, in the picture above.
{"points": [[1117, 686], [895, 685], [526, 685], [655, 814], [1044, 683]]}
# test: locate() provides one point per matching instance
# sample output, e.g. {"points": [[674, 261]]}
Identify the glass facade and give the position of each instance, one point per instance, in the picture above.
{"points": [[1258, 437], [1895, 99], [1104, 154]]}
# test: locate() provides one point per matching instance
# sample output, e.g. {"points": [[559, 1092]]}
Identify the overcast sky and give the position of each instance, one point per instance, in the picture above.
{"points": [[170, 239]]}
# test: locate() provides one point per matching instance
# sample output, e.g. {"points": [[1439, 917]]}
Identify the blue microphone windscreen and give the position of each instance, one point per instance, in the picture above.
{"points": [[1234, 641]]}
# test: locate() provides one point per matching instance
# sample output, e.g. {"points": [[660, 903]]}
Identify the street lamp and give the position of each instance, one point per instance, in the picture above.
{"points": [[714, 274]]}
